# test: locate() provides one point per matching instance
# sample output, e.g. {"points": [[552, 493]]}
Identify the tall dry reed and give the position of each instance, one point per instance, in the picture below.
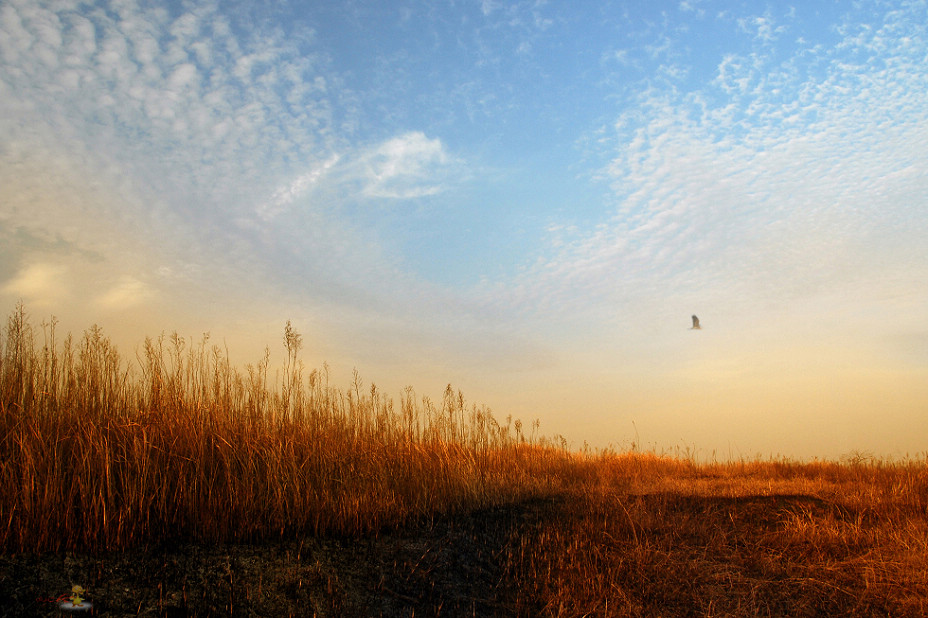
{"points": [[97, 452]]}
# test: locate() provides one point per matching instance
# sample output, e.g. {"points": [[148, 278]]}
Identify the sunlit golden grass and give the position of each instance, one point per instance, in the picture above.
{"points": [[663, 536], [100, 452], [97, 452]]}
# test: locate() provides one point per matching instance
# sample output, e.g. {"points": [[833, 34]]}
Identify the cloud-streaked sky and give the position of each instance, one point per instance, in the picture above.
{"points": [[527, 200]]}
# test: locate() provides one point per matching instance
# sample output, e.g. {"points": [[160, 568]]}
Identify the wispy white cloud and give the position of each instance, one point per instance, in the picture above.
{"points": [[174, 122], [298, 187], [762, 28], [692, 6], [170, 96], [407, 166]]}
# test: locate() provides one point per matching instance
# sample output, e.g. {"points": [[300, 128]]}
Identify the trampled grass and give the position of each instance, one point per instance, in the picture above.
{"points": [[102, 453]]}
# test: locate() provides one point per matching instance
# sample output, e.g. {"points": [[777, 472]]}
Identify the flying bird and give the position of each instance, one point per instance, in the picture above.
{"points": [[695, 323]]}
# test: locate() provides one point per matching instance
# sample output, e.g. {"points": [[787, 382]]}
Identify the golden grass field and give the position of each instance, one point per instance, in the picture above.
{"points": [[174, 484]]}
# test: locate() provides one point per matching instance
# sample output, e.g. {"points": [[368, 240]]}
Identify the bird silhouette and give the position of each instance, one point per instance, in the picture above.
{"points": [[696, 324]]}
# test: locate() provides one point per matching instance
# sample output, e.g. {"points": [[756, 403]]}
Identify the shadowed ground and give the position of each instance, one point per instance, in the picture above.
{"points": [[450, 567], [661, 554]]}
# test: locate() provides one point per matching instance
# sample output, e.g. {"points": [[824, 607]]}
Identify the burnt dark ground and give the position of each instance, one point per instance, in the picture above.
{"points": [[451, 566]]}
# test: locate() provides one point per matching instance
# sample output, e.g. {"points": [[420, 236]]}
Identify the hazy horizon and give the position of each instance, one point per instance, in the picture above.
{"points": [[525, 200]]}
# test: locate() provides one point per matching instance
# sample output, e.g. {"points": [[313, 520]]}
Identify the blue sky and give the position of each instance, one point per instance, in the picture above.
{"points": [[525, 199]]}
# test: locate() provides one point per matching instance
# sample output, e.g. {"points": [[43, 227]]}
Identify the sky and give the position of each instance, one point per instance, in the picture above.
{"points": [[526, 200]]}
